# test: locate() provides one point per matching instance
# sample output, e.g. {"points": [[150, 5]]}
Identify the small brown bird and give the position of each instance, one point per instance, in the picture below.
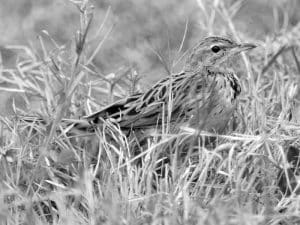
{"points": [[202, 97]]}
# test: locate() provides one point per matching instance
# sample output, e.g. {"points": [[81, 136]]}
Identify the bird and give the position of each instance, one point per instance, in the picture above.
{"points": [[203, 96]]}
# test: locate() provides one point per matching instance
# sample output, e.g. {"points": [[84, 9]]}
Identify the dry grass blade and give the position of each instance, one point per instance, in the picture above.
{"points": [[273, 59], [296, 59], [161, 58], [97, 49]]}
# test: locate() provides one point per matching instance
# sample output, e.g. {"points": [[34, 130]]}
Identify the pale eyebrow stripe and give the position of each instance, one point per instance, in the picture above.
{"points": [[222, 46]]}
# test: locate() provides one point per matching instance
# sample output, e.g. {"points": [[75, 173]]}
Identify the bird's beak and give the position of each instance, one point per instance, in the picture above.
{"points": [[241, 48], [246, 47]]}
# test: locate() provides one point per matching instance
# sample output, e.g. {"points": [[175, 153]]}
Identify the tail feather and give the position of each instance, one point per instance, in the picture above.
{"points": [[69, 126]]}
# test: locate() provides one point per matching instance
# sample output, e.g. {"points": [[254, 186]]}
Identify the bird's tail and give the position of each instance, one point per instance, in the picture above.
{"points": [[66, 126]]}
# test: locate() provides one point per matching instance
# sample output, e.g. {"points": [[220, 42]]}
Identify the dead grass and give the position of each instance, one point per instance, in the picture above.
{"points": [[49, 177]]}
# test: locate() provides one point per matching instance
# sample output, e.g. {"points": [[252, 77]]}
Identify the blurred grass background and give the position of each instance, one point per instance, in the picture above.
{"points": [[138, 27]]}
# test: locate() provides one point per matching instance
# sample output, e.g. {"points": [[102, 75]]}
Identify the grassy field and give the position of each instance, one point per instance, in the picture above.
{"points": [[246, 176]]}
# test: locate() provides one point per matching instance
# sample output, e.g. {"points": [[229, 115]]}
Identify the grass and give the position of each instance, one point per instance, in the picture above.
{"points": [[48, 177]]}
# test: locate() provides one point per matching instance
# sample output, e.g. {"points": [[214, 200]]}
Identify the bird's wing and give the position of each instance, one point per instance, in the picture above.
{"points": [[147, 109], [115, 110]]}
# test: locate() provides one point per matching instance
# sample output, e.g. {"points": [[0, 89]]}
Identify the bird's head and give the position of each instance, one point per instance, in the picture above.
{"points": [[213, 51]]}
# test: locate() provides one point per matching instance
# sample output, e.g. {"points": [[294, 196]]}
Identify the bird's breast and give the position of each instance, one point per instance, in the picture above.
{"points": [[213, 101]]}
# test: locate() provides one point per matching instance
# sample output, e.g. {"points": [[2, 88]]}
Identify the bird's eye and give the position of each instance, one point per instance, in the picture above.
{"points": [[215, 48]]}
